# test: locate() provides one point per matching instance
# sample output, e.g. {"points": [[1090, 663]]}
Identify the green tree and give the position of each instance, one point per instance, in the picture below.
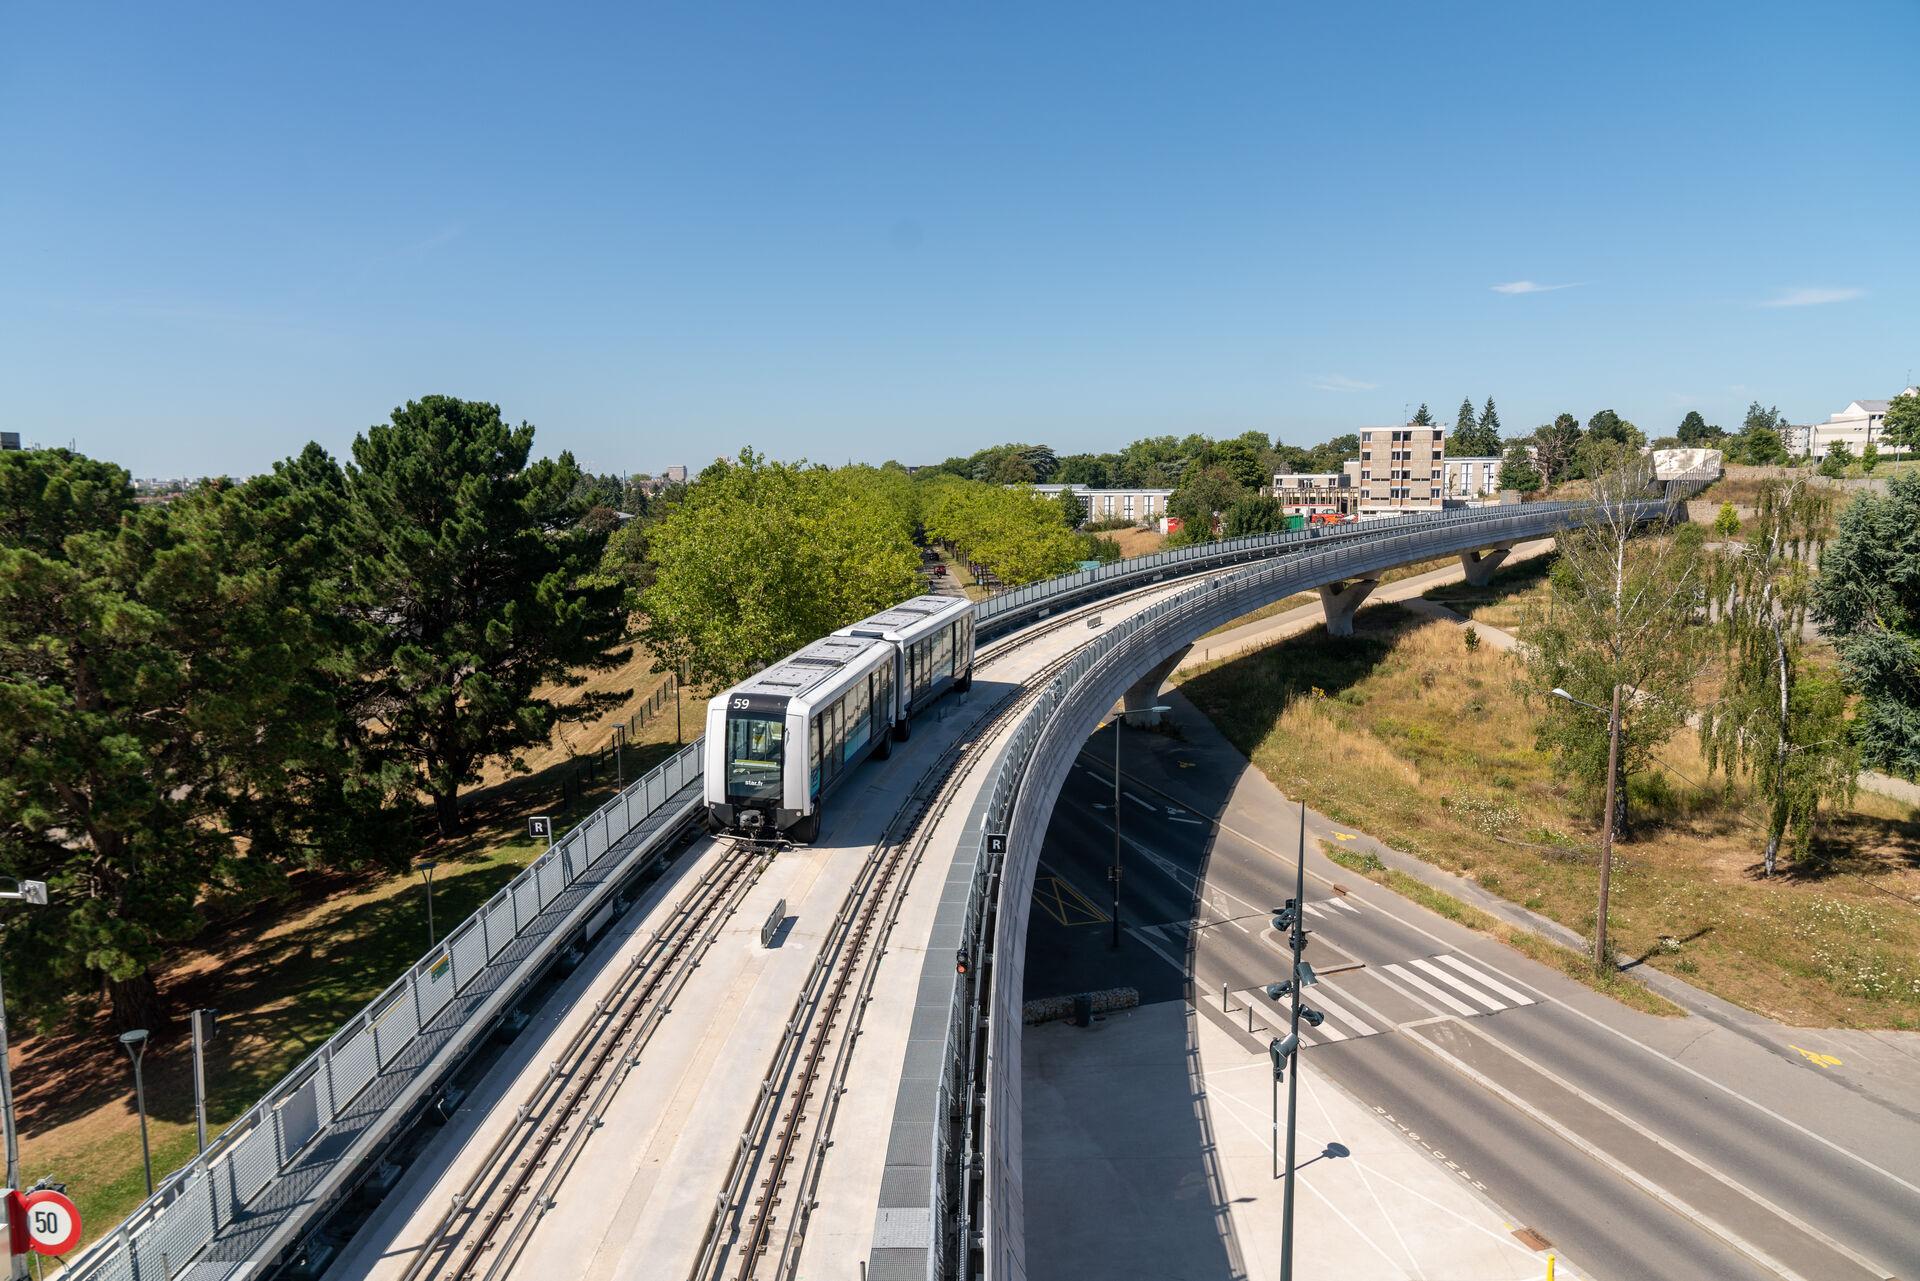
{"points": [[1869, 458], [1867, 599], [1694, 431], [763, 557], [1773, 719], [476, 583], [1838, 459], [1726, 524], [1241, 459], [1475, 437], [171, 737], [1609, 426], [1517, 470], [1901, 426], [1095, 471], [1618, 612], [1073, 513], [1555, 446], [1014, 532], [1422, 417], [1253, 515], [1202, 496], [1328, 456]]}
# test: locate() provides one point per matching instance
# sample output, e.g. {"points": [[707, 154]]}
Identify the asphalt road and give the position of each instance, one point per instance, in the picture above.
{"points": [[1562, 1106]]}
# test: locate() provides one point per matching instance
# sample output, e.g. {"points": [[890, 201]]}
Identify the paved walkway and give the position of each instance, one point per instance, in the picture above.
{"points": [[1111, 1114]]}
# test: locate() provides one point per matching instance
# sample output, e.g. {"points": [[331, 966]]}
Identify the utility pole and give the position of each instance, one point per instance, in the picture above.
{"points": [[1113, 873], [426, 872], [1299, 941], [1601, 957]]}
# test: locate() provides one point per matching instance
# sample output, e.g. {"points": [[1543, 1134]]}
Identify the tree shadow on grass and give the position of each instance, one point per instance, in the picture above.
{"points": [[283, 991], [1245, 696]]}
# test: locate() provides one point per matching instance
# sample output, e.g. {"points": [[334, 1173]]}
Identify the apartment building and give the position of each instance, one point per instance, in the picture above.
{"points": [[1856, 427], [1401, 469], [1470, 480]]}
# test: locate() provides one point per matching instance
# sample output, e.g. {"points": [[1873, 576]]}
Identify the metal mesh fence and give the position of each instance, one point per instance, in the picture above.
{"points": [[159, 1240]]}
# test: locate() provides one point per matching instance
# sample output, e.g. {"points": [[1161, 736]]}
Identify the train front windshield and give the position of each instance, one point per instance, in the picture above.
{"points": [[754, 748]]}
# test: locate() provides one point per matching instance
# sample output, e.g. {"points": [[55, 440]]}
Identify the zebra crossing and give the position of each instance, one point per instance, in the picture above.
{"points": [[1445, 982]]}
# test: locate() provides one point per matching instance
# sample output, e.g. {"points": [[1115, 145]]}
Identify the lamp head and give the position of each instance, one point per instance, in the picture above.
{"points": [[1561, 693]]}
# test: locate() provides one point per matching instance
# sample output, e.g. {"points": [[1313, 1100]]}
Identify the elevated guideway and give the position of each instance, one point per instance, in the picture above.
{"points": [[696, 1102]]}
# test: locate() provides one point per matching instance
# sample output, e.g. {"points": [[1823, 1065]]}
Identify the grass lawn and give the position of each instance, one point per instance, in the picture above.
{"points": [[286, 975], [1505, 600], [1430, 748]]}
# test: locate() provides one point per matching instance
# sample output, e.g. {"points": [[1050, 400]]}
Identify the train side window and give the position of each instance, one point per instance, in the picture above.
{"points": [[815, 779]]}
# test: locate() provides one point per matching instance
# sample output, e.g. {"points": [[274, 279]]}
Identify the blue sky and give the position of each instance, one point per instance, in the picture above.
{"points": [[843, 230]]}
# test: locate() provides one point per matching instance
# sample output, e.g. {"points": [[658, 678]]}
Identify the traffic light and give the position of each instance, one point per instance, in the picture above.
{"points": [[1284, 917], [1281, 1049], [961, 961]]}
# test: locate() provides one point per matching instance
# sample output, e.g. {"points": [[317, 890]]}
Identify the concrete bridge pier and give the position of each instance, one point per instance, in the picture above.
{"points": [[1144, 693], [1341, 599], [1479, 565]]}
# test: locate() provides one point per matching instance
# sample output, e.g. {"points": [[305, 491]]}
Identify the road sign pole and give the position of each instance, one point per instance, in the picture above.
{"points": [[16, 1264]]}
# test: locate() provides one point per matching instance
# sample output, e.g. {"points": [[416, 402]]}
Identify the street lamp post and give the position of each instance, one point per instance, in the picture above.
{"points": [[135, 1043], [34, 892], [426, 873], [1299, 942], [1113, 873], [1601, 957]]}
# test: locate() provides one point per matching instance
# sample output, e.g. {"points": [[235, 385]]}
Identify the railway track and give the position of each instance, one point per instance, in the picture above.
{"points": [[485, 1230], [759, 1221]]}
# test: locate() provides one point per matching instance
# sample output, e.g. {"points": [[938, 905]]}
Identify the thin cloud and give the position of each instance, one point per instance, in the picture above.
{"points": [[1334, 382], [1529, 287], [1812, 297]]}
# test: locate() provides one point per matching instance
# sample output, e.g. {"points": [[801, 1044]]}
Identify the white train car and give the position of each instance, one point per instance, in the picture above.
{"points": [[780, 741], [933, 636]]}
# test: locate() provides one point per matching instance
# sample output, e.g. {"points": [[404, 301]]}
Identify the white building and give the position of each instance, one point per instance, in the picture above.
{"points": [[1858, 425], [1141, 506], [1316, 493], [1469, 479]]}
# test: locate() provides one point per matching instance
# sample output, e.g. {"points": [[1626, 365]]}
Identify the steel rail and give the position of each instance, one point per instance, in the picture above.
{"points": [[621, 1027]]}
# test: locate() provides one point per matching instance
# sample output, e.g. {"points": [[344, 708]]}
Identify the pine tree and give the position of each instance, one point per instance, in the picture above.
{"points": [[1490, 420], [1423, 417], [475, 579], [1464, 422]]}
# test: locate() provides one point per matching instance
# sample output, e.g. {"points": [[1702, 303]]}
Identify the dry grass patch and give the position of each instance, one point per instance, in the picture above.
{"points": [[1404, 733]]}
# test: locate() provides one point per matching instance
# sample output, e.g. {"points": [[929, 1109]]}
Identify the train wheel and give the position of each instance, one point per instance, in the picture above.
{"points": [[902, 731], [806, 831], [884, 750]]}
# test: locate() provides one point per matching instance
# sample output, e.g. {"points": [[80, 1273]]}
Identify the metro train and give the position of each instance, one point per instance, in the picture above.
{"points": [[780, 741]]}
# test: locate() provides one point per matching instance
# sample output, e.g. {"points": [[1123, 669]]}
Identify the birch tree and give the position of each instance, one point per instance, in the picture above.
{"points": [[1619, 612]]}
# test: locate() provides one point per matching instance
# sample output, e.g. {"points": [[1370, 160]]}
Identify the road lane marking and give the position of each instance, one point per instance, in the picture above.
{"points": [[1600, 1156], [1148, 806], [1548, 998], [1473, 993], [1484, 980], [1402, 973], [1593, 1101]]}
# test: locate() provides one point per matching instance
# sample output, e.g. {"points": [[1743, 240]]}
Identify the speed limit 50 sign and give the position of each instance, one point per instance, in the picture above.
{"points": [[45, 1222]]}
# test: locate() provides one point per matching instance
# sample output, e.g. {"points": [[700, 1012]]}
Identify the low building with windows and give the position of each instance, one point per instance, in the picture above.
{"points": [[1141, 506], [1860, 424], [1316, 493], [1470, 480]]}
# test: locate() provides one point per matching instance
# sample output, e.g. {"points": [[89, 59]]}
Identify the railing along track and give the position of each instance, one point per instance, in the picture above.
{"points": [[814, 1044], [553, 1125]]}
